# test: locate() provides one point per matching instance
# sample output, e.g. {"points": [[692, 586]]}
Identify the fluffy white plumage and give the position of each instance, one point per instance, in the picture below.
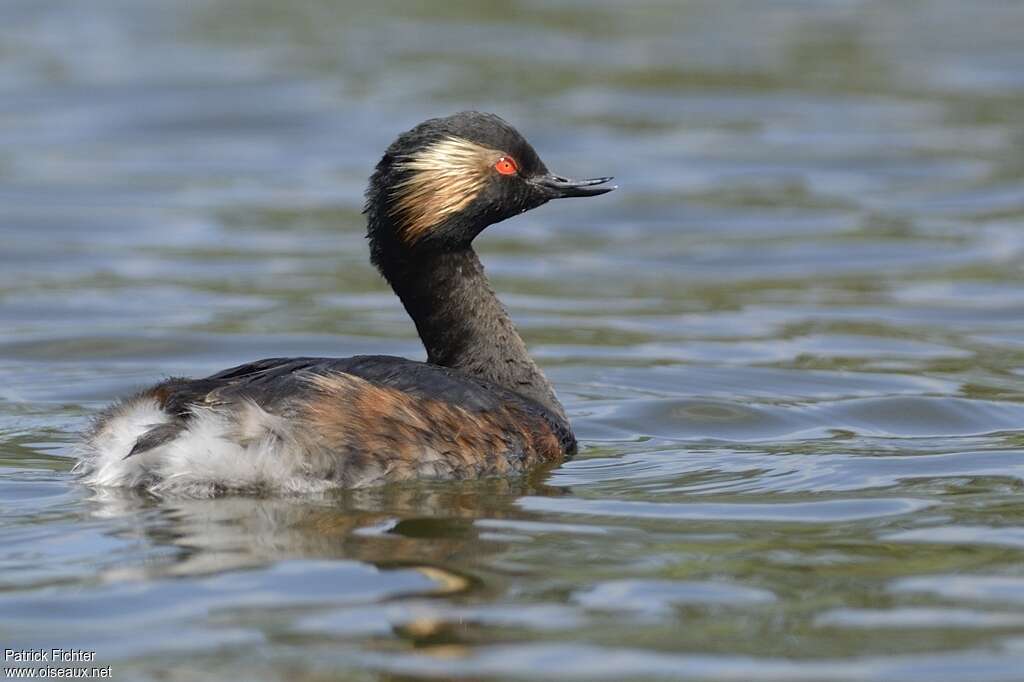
{"points": [[241, 450]]}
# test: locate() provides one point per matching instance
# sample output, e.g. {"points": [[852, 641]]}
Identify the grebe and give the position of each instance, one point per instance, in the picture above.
{"points": [[479, 406]]}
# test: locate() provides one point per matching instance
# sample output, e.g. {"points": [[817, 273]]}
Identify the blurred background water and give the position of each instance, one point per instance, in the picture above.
{"points": [[792, 343]]}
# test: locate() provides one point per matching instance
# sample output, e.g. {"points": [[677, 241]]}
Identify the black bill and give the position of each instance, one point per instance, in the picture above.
{"points": [[558, 187]]}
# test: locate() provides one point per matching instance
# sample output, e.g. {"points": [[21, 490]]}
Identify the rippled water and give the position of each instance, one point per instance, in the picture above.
{"points": [[792, 344]]}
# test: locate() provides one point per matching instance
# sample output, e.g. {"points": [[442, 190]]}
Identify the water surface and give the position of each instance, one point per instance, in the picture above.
{"points": [[792, 344]]}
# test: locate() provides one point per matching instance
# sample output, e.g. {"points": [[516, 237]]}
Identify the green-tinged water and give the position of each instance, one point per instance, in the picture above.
{"points": [[792, 343]]}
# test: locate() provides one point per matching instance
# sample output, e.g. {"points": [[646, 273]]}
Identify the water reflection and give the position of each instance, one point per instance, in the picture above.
{"points": [[424, 527]]}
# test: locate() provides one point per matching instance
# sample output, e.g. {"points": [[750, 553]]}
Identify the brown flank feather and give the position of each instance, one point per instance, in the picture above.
{"points": [[388, 434]]}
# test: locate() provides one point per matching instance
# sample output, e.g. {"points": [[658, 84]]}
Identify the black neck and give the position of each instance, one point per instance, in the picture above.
{"points": [[464, 326]]}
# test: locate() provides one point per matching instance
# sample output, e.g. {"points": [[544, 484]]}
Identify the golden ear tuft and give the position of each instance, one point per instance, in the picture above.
{"points": [[443, 179]]}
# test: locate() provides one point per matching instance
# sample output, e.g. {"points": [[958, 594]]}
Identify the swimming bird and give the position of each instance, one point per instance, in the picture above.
{"points": [[478, 407]]}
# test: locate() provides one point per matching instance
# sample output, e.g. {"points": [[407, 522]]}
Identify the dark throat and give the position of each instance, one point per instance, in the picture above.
{"points": [[464, 326]]}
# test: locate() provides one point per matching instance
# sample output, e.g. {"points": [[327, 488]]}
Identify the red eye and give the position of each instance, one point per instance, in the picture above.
{"points": [[506, 166]]}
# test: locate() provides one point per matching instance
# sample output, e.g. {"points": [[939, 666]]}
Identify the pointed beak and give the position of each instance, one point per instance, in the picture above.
{"points": [[558, 187]]}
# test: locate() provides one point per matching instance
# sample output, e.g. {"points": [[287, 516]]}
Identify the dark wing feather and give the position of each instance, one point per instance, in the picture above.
{"points": [[274, 383], [270, 381]]}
